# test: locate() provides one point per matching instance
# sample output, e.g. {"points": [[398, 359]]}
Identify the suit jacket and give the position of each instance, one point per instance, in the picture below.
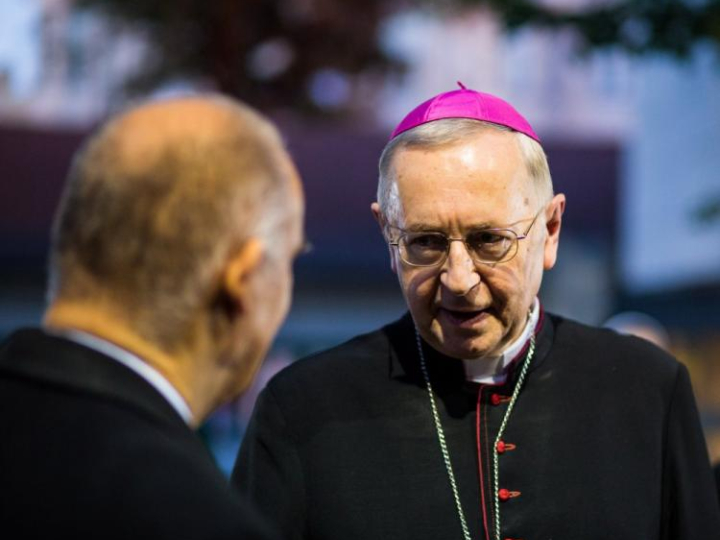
{"points": [[89, 449], [604, 442]]}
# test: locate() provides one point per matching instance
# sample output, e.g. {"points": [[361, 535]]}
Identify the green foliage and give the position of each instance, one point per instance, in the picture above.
{"points": [[637, 26], [708, 211]]}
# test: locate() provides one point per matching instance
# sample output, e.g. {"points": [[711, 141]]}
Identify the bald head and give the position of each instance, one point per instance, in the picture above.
{"points": [[142, 135], [159, 198]]}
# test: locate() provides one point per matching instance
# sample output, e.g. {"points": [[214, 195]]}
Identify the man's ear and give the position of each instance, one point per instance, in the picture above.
{"points": [[382, 223], [553, 223], [378, 215], [239, 269]]}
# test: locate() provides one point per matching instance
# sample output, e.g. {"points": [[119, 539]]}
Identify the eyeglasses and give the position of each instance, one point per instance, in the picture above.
{"points": [[487, 246]]}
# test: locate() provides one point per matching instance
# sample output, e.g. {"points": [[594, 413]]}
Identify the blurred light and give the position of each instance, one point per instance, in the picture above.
{"points": [[19, 45], [642, 325], [176, 88], [270, 59], [329, 89]]}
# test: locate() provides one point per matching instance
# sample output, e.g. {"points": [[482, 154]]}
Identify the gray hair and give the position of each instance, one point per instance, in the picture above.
{"points": [[446, 132]]}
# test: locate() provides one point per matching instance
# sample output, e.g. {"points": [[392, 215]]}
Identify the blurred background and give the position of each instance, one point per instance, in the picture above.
{"points": [[624, 94]]}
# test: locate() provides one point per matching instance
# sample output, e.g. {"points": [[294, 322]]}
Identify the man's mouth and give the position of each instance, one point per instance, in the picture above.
{"points": [[463, 317]]}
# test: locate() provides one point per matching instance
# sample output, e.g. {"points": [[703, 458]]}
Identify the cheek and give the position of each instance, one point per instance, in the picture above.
{"points": [[506, 285], [515, 286], [419, 286]]}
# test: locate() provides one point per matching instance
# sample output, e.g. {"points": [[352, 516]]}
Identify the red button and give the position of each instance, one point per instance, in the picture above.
{"points": [[495, 399], [500, 447], [504, 494]]}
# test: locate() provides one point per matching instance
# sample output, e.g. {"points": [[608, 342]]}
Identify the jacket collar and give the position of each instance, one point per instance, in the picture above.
{"points": [[36, 355]]}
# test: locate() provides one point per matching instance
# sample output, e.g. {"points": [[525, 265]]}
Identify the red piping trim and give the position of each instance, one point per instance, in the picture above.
{"points": [[478, 413], [488, 445], [478, 429]]}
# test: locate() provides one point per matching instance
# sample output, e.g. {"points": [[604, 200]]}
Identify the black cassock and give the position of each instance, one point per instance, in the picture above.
{"points": [[604, 443], [90, 450]]}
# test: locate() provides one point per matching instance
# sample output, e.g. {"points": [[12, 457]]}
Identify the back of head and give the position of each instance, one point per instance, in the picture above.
{"points": [[155, 202]]}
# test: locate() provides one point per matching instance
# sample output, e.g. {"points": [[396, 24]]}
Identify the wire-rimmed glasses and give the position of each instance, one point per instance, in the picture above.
{"points": [[486, 246]]}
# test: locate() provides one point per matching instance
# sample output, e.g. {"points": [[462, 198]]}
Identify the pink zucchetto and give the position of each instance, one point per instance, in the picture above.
{"points": [[465, 103]]}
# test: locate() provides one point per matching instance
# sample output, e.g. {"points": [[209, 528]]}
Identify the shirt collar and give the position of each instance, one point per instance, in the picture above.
{"points": [[129, 360], [494, 370]]}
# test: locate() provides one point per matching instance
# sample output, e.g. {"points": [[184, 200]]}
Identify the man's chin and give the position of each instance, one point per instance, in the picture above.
{"points": [[465, 348], [465, 344], [467, 353]]}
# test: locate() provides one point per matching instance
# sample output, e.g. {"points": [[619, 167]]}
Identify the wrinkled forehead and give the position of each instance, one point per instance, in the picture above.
{"points": [[481, 176]]}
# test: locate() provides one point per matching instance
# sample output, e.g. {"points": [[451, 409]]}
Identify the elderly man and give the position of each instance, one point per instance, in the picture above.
{"points": [[170, 273], [478, 415]]}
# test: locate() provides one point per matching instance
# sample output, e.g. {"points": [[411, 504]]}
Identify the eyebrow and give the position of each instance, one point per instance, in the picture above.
{"points": [[421, 227]]}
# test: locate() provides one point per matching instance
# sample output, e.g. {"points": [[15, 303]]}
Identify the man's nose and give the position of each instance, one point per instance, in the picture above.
{"points": [[459, 274]]}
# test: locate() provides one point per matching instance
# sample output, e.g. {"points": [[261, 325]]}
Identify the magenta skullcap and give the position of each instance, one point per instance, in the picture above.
{"points": [[464, 103]]}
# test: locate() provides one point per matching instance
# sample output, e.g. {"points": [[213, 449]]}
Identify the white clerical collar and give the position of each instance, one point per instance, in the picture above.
{"points": [[129, 360], [494, 370]]}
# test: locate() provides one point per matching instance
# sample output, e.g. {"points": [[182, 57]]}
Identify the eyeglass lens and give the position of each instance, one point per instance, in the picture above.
{"points": [[427, 248]]}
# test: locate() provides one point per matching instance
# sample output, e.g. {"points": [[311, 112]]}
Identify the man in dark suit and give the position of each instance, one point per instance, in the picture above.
{"points": [[477, 415], [170, 273]]}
